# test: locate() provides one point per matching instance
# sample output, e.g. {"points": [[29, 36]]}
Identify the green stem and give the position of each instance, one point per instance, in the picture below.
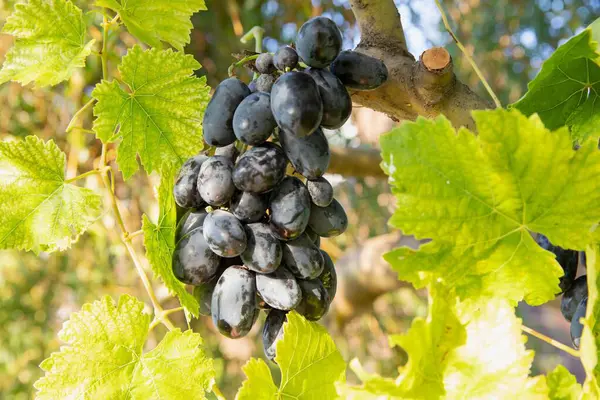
{"points": [[243, 61], [257, 33], [82, 176], [468, 56], [217, 392], [78, 114], [550, 341], [135, 234], [172, 310]]}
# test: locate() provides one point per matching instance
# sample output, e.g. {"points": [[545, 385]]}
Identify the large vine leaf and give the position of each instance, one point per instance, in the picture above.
{"points": [[478, 198], [159, 240], [310, 365], [49, 42], [159, 117], [491, 362], [567, 89], [39, 210], [153, 21], [590, 339], [104, 358]]}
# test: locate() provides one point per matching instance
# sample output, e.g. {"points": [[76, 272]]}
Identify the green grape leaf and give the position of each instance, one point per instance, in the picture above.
{"points": [[310, 365], [568, 79], [104, 358], [491, 362], [159, 240], [159, 117], [39, 210], [49, 42], [590, 339], [479, 197], [153, 21], [562, 385]]}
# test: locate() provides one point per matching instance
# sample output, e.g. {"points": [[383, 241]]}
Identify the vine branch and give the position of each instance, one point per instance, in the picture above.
{"points": [[550, 341]]}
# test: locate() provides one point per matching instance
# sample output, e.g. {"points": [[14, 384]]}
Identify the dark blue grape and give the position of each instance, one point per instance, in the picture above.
{"points": [[230, 151], [568, 260], [303, 258], [263, 252], [328, 277], [265, 82], [253, 121], [233, 305], [260, 169], [264, 63], [285, 58], [215, 182], [296, 103], [337, 104], [279, 289], [252, 86], [248, 207], [576, 325], [218, 117], [319, 42], [321, 191], [273, 332], [290, 208], [309, 155], [224, 234], [359, 71], [189, 222], [193, 261], [185, 190], [328, 221], [571, 298], [315, 300]]}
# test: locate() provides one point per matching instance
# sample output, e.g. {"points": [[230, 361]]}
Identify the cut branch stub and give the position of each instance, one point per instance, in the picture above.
{"points": [[434, 76]]}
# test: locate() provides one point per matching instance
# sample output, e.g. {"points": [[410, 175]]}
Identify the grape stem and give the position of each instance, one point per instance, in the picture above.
{"points": [[257, 33], [243, 61], [135, 234], [468, 56], [79, 114], [549, 340], [83, 176]]}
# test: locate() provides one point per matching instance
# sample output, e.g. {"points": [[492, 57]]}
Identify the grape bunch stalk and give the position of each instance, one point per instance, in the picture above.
{"points": [[574, 289], [258, 207]]}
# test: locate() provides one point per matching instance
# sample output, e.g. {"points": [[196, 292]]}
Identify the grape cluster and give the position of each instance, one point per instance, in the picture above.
{"points": [[250, 239], [574, 290]]}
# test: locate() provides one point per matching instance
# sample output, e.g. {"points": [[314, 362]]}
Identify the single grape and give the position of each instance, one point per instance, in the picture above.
{"points": [[264, 83], [185, 190], [224, 234], [359, 71], [328, 221], [273, 332], [263, 253], [248, 207], [303, 258], [309, 155], [315, 300], [296, 103], [203, 294], [289, 208], [264, 63], [279, 289], [285, 58], [218, 118], [319, 42], [215, 182], [568, 260], [253, 121], [328, 277], [321, 191], [260, 169], [576, 325], [189, 222], [233, 304], [337, 104], [571, 298], [193, 261], [230, 151]]}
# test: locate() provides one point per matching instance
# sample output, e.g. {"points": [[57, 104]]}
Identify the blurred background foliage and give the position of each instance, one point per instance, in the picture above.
{"points": [[509, 40]]}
